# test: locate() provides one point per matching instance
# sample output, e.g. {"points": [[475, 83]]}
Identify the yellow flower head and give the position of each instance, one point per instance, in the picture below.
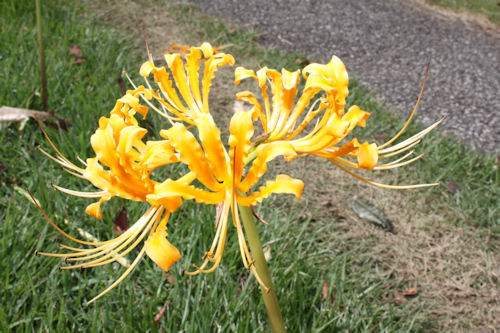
{"points": [[227, 176], [122, 167], [288, 120], [124, 163]]}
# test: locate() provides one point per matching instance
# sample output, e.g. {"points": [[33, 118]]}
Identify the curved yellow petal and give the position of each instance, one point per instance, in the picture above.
{"points": [[130, 138], [211, 65], [133, 102], [256, 111], [118, 185], [356, 117], [157, 154], [282, 184], [330, 77], [241, 131], [176, 65], [332, 152], [159, 249], [170, 189], [367, 155], [207, 49], [290, 79], [191, 154], [298, 109], [241, 73], [162, 78], [192, 66], [265, 153], [94, 209], [213, 147], [146, 69]]}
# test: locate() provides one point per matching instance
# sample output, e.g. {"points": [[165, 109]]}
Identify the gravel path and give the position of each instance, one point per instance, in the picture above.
{"points": [[387, 44]]}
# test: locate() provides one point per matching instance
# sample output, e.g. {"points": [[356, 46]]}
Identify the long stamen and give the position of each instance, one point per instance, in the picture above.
{"points": [[218, 254], [400, 159], [397, 152], [73, 173], [412, 139], [396, 187], [59, 229], [412, 113], [81, 194], [60, 155], [120, 279], [102, 246], [115, 249], [397, 165], [62, 162]]}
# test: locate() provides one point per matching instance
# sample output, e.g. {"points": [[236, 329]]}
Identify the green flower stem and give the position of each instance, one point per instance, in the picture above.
{"points": [[269, 296]]}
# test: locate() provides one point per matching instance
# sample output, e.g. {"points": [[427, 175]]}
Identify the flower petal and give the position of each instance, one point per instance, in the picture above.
{"points": [[212, 145], [241, 131], [94, 209], [159, 249], [192, 66], [265, 153], [170, 189], [367, 156], [191, 154], [282, 184], [157, 154], [176, 65], [241, 73], [211, 65]]}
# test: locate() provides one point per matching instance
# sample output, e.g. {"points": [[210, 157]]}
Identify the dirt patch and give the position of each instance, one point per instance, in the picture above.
{"points": [[457, 276], [472, 20]]}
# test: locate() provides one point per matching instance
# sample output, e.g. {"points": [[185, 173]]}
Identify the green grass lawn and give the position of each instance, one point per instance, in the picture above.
{"points": [[322, 283], [486, 8]]}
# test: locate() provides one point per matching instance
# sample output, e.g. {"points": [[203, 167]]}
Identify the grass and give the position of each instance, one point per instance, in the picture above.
{"points": [[486, 8], [327, 278]]}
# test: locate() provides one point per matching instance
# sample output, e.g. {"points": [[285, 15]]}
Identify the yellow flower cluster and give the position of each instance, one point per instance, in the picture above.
{"points": [[314, 123]]}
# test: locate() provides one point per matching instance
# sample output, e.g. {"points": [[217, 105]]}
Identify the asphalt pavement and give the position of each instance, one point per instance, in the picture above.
{"points": [[386, 45]]}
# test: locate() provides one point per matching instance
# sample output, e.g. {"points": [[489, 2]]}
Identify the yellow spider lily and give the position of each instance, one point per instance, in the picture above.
{"points": [[293, 123], [221, 173], [124, 162], [129, 163]]}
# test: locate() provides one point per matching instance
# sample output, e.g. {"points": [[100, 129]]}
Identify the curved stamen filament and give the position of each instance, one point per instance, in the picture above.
{"points": [[400, 159], [62, 162], [220, 241], [101, 261], [59, 229], [412, 139], [246, 257], [412, 113], [121, 278], [99, 245], [60, 155], [400, 151], [115, 246], [73, 173], [81, 194], [397, 165], [398, 187]]}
